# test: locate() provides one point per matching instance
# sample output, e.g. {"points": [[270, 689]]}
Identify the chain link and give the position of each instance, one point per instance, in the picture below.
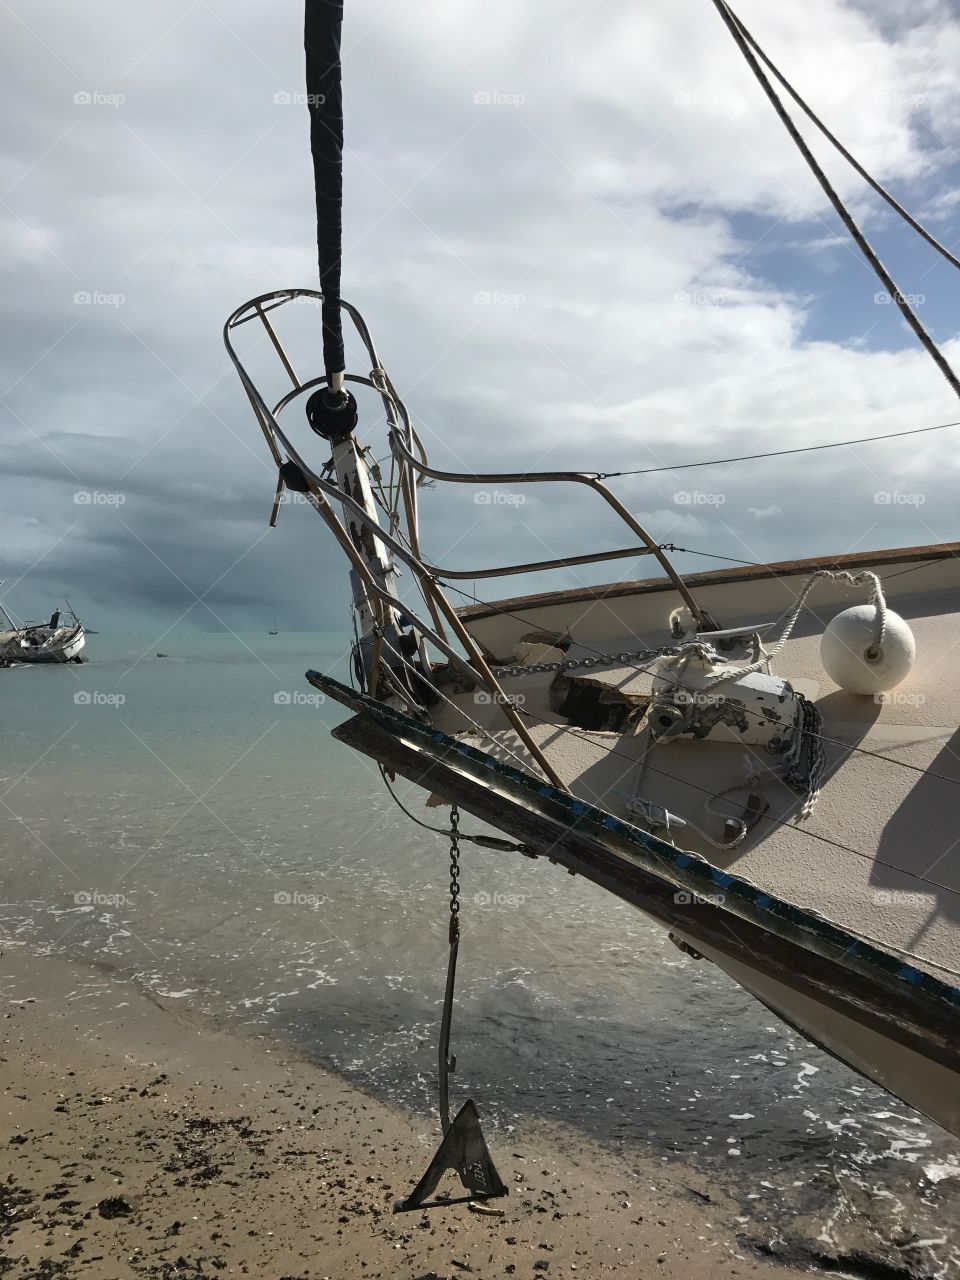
{"points": [[454, 872], [574, 664]]}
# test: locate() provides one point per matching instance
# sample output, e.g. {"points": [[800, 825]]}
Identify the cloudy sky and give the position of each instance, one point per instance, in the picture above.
{"points": [[578, 232]]}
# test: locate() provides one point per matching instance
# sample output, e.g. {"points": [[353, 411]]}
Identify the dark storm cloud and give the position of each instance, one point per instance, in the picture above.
{"points": [[539, 234]]}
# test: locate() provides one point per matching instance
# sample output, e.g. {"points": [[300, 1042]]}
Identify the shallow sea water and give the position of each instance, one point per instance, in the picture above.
{"points": [[189, 821]]}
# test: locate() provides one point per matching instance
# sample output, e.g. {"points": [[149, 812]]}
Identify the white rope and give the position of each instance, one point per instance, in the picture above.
{"points": [[837, 575], [752, 779], [807, 729], [720, 844]]}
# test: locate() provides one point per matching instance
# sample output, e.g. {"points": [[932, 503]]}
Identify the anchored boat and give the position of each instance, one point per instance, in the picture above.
{"points": [[53, 641], [765, 759]]}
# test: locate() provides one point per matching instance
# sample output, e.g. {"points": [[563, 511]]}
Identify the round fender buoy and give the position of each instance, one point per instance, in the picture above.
{"points": [[852, 658]]}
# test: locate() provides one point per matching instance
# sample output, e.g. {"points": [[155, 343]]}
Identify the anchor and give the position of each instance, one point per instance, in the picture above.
{"points": [[463, 1148]]}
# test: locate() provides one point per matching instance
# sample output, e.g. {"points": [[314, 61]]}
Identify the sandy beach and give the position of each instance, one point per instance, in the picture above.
{"points": [[140, 1144], [254, 1083]]}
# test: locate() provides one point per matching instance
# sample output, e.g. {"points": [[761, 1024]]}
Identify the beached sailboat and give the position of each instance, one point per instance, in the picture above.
{"points": [[52, 641], [764, 759]]}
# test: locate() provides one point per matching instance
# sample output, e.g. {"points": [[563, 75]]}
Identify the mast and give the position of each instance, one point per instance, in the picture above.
{"points": [[4, 616]]}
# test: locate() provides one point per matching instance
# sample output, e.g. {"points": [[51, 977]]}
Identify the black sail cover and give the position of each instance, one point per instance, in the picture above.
{"points": [[322, 26]]}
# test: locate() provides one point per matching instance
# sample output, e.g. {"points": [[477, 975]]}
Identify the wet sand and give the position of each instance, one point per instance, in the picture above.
{"points": [[138, 1143]]}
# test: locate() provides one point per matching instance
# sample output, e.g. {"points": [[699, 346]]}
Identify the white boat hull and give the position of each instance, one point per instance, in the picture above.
{"points": [[927, 1085], [63, 645], [883, 1016]]}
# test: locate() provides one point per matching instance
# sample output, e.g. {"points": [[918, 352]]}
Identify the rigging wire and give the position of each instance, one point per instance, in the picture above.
{"points": [[440, 831], [774, 453], [758, 564], [484, 842], [835, 141], [524, 764], [641, 670], [861, 241], [780, 822]]}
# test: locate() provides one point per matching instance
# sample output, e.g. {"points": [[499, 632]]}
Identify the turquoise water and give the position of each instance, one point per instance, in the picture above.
{"points": [[189, 820]]}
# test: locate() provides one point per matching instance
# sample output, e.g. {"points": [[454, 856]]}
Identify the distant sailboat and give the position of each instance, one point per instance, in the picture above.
{"points": [[273, 630], [40, 641]]}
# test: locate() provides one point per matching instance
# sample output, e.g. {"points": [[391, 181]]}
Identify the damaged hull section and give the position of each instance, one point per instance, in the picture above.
{"points": [[894, 1023]]}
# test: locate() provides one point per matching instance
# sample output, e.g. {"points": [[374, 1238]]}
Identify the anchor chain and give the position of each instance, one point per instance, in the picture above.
{"points": [[463, 1148], [454, 873], [630, 658]]}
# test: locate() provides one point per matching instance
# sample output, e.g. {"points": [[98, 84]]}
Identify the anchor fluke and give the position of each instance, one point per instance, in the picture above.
{"points": [[463, 1149]]}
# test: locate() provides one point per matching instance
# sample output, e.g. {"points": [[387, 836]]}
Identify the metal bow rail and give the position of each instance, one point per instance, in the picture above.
{"points": [[412, 465]]}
